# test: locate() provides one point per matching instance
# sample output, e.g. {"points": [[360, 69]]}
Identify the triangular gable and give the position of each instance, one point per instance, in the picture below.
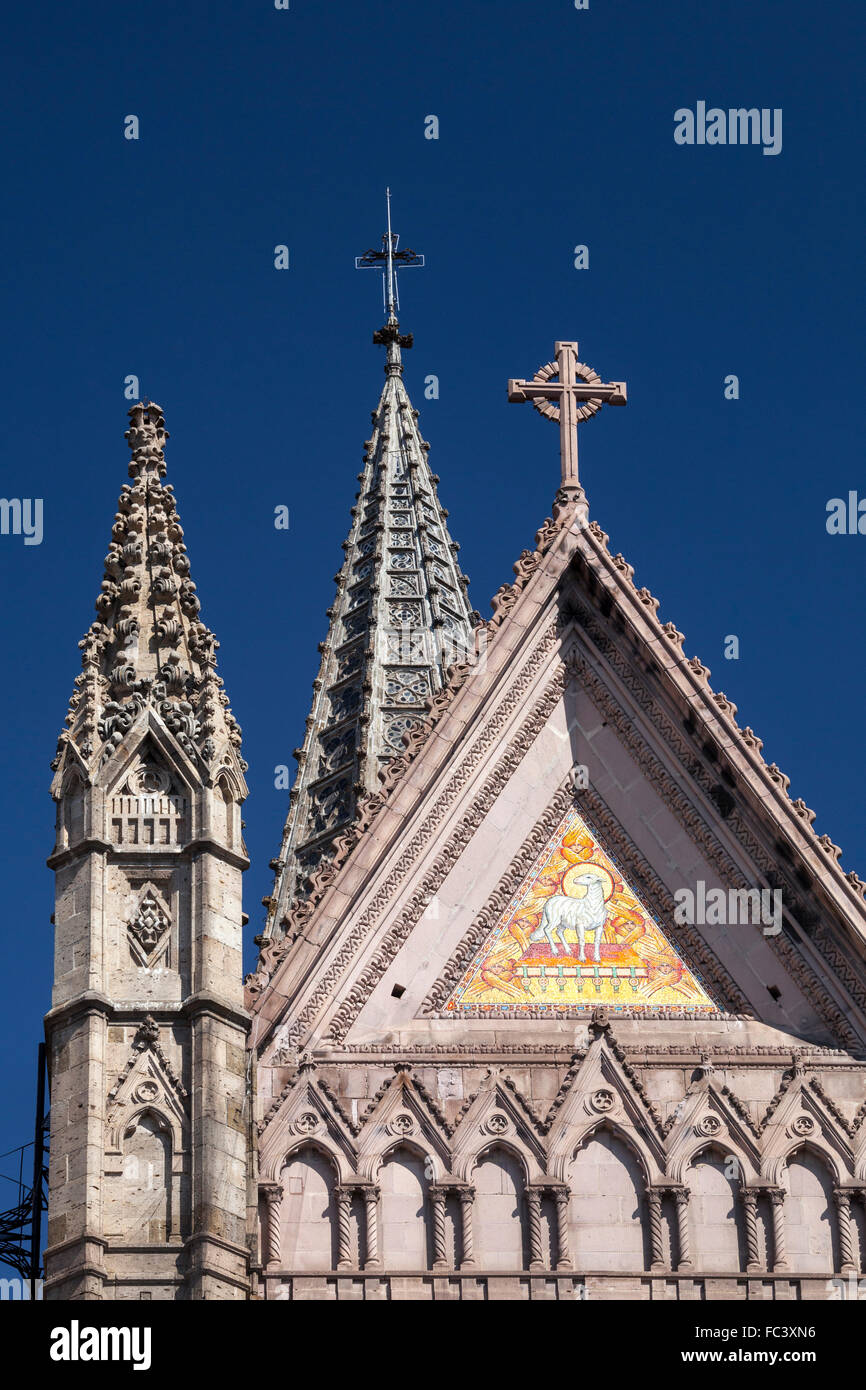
{"points": [[574, 668], [575, 933]]}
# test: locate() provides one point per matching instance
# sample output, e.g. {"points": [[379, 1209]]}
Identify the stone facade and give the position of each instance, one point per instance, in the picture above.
{"points": [[410, 1147], [147, 1030], [396, 1108]]}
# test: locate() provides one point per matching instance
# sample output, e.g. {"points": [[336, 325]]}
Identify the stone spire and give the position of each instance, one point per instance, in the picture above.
{"points": [[148, 936], [148, 646], [401, 617]]}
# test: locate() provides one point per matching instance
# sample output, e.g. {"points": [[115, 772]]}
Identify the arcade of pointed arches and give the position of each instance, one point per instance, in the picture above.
{"points": [[405, 1209]]}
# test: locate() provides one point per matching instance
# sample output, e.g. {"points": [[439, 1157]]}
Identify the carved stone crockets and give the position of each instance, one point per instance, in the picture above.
{"points": [[148, 647], [147, 1031], [400, 619]]}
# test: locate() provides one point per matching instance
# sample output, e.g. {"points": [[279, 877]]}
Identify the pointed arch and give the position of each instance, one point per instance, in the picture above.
{"points": [[70, 809], [507, 1145], [820, 1151], [414, 1145], [624, 1136], [715, 1209], [607, 1177], [499, 1176], [811, 1220], [141, 1198], [405, 1232], [308, 1219], [729, 1143], [225, 810]]}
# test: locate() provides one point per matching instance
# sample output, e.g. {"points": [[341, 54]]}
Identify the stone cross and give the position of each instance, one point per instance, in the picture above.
{"points": [[576, 396]]}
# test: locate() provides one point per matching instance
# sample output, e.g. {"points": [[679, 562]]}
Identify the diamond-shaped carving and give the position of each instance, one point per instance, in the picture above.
{"points": [[148, 931]]}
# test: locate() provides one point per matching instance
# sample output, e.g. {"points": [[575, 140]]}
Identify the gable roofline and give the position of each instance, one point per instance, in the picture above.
{"points": [[565, 541]]}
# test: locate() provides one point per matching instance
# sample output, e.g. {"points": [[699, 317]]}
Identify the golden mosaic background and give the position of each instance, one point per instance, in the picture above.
{"points": [[638, 966]]}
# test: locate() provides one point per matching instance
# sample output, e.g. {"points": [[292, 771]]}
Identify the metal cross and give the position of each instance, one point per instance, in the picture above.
{"points": [[561, 400], [390, 259]]}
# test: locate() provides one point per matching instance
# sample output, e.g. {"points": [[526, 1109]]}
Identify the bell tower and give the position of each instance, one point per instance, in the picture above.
{"points": [[146, 1034]]}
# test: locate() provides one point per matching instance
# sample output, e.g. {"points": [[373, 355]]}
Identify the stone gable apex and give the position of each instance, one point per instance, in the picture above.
{"points": [[573, 664], [148, 1083]]}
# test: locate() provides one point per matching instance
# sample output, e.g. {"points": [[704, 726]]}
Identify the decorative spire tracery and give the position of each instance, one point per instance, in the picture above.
{"points": [[148, 645], [401, 617]]}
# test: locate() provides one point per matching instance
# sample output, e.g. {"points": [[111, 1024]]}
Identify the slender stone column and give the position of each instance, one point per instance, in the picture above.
{"points": [[437, 1201], [750, 1211], [562, 1197], [681, 1197], [371, 1205], [842, 1200], [467, 1201], [780, 1254], [657, 1252], [533, 1202], [273, 1195], [343, 1197]]}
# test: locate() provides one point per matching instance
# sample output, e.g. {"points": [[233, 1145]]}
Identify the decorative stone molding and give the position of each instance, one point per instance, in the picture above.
{"points": [[148, 931], [146, 605], [496, 1124], [801, 1127], [274, 952], [710, 1127], [147, 1038], [400, 578], [690, 817], [602, 1101], [402, 1125], [456, 844]]}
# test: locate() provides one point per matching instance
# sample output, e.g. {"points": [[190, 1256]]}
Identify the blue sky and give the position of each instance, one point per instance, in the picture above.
{"points": [[260, 127]]}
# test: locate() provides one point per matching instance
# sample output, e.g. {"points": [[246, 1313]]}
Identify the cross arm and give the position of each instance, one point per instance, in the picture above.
{"points": [[613, 392]]}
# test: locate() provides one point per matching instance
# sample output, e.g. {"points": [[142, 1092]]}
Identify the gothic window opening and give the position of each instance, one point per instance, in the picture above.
{"points": [[146, 1181], [405, 1236], [608, 1225], [308, 1214], [715, 1213], [810, 1219], [499, 1218]]}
